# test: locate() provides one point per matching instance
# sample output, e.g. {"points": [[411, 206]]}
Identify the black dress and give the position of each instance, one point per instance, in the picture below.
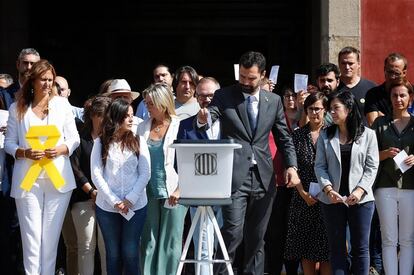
{"points": [[306, 237]]}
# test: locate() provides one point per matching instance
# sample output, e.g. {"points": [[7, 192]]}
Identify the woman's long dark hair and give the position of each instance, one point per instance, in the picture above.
{"points": [[354, 123], [115, 115]]}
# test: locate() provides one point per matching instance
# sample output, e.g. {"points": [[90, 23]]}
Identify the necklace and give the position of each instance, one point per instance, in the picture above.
{"points": [[41, 111], [158, 128]]}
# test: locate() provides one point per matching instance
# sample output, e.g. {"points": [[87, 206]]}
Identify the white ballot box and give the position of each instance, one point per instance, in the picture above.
{"points": [[205, 168]]}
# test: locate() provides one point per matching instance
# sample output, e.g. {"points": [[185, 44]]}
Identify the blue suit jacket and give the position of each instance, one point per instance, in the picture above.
{"points": [[187, 131]]}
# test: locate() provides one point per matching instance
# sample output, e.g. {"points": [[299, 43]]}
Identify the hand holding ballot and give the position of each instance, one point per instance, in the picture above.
{"points": [[403, 161], [123, 206], [335, 197], [355, 196], [300, 82], [409, 160]]}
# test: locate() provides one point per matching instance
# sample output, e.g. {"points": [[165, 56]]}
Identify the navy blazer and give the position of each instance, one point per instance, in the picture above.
{"points": [[187, 131]]}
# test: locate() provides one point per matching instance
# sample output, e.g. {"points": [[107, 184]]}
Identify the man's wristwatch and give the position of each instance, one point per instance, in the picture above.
{"points": [[294, 167]]}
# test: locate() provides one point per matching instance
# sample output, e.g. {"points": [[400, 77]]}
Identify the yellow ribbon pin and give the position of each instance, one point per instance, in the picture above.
{"points": [[33, 138]]}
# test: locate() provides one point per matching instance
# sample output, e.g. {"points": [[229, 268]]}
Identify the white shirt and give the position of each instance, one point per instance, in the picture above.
{"points": [[124, 176]]}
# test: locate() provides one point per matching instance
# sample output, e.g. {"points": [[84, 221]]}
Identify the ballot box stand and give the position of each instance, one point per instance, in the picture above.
{"points": [[203, 213], [205, 170]]}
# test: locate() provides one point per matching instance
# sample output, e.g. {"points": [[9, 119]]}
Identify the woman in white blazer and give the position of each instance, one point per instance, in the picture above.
{"points": [[41, 209], [346, 165], [162, 236]]}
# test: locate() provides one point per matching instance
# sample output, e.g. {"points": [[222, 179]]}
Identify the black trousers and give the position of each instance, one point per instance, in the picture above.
{"points": [[246, 220], [10, 242]]}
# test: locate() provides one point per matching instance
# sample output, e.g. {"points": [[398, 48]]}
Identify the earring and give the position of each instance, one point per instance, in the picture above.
{"points": [[31, 91]]}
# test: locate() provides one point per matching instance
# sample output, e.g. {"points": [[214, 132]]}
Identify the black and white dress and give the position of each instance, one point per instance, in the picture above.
{"points": [[306, 237]]}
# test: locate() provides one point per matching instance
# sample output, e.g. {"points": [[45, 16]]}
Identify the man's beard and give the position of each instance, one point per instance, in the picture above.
{"points": [[247, 89], [327, 91]]}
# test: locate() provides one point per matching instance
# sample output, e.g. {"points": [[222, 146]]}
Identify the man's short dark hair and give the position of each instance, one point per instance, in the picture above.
{"points": [[394, 57], [349, 50], [185, 69], [250, 59], [164, 65], [325, 69]]}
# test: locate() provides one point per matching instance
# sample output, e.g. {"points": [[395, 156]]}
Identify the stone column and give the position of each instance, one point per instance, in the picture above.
{"points": [[340, 27]]}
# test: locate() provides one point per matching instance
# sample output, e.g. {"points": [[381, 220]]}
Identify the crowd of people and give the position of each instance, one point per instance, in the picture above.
{"points": [[323, 181]]}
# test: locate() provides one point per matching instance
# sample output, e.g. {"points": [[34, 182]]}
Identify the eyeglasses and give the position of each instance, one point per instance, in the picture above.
{"points": [[315, 110], [393, 73], [210, 96]]}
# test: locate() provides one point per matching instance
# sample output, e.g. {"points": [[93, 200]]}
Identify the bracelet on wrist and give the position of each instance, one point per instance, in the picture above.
{"points": [[91, 191], [329, 190]]}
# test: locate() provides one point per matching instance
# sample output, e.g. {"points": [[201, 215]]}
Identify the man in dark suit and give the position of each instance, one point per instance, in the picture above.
{"points": [[247, 114]]}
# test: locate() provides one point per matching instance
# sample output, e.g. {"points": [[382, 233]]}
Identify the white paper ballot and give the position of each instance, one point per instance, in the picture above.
{"points": [[128, 215], [236, 71], [301, 82], [274, 73], [399, 160], [4, 116], [314, 189]]}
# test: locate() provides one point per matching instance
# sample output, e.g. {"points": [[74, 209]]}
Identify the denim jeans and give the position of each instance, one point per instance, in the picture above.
{"points": [[358, 217], [375, 244], [121, 239]]}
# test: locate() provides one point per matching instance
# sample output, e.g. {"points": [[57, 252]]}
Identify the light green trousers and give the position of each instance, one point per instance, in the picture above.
{"points": [[161, 240]]}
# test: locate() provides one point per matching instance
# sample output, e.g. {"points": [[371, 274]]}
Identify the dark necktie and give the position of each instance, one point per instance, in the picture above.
{"points": [[252, 113]]}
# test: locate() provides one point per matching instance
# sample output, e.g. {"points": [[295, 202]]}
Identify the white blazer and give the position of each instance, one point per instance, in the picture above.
{"points": [[363, 165], [60, 115], [144, 129]]}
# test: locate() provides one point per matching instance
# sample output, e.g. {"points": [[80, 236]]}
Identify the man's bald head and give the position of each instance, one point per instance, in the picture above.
{"points": [[63, 86]]}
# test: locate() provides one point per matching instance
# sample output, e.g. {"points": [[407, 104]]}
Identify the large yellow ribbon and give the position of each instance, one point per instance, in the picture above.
{"points": [[33, 138]]}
